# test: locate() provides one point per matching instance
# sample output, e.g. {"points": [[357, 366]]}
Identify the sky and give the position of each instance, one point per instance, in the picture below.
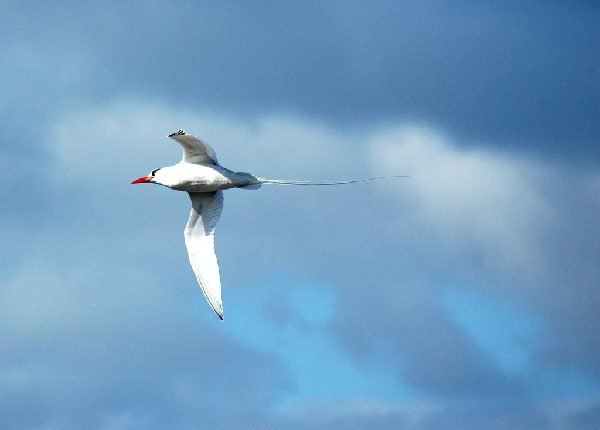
{"points": [[465, 296]]}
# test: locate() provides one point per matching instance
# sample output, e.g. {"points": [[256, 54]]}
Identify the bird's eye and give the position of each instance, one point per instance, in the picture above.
{"points": [[180, 132], [152, 173]]}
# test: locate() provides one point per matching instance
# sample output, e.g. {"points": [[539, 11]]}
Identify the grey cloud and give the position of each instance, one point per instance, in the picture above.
{"points": [[520, 414], [286, 239], [539, 239], [510, 75], [83, 344], [585, 419], [403, 327], [388, 250]]}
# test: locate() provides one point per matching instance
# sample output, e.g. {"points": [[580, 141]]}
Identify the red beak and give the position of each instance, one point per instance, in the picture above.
{"points": [[142, 180]]}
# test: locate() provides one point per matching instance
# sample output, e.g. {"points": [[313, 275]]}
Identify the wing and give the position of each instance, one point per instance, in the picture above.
{"points": [[199, 241], [195, 151]]}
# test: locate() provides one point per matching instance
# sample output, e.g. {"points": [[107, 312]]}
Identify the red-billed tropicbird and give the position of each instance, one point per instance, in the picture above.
{"points": [[200, 174]]}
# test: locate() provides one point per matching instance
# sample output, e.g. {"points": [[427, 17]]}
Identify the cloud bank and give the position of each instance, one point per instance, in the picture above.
{"points": [[462, 297], [101, 315]]}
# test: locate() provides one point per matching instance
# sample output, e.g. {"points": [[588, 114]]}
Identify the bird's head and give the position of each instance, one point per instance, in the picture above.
{"points": [[147, 179]]}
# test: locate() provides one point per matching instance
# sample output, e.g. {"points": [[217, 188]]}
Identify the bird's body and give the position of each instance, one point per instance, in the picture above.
{"points": [[200, 178], [200, 174]]}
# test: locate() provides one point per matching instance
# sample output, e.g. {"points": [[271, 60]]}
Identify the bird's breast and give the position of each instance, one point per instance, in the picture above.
{"points": [[203, 179]]}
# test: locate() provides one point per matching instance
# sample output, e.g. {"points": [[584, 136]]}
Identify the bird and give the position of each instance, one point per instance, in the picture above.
{"points": [[204, 179]]}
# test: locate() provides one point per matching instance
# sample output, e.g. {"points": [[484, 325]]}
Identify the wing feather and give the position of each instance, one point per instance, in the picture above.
{"points": [[195, 151], [199, 241]]}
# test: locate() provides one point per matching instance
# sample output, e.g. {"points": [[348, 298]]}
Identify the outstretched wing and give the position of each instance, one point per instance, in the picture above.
{"points": [[199, 241], [195, 151]]}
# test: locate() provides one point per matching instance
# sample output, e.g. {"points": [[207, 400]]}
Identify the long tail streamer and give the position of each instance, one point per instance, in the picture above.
{"points": [[294, 182]]}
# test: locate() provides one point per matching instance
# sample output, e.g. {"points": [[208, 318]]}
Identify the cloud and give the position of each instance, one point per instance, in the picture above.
{"points": [[497, 75], [465, 295], [483, 221], [95, 334], [101, 291], [85, 345], [491, 204]]}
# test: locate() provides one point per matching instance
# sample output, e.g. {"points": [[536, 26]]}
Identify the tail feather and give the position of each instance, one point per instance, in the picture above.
{"points": [[295, 182]]}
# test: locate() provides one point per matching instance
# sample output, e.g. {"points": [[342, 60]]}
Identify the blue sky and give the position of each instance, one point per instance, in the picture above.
{"points": [[463, 297]]}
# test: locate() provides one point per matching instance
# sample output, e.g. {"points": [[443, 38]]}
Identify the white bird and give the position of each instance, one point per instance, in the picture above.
{"points": [[200, 174]]}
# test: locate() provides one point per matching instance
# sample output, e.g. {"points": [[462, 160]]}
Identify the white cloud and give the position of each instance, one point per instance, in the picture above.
{"points": [[472, 200]]}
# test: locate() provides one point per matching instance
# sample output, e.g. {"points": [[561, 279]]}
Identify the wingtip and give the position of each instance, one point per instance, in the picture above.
{"points": [[179, 132], [217, 309]]}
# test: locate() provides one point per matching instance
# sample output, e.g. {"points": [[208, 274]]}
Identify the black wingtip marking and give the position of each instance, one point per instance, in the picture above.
{"points": [[177, 133]]}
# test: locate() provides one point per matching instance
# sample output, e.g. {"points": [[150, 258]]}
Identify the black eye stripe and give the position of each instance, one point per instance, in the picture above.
{"points": [[154, 172]]}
